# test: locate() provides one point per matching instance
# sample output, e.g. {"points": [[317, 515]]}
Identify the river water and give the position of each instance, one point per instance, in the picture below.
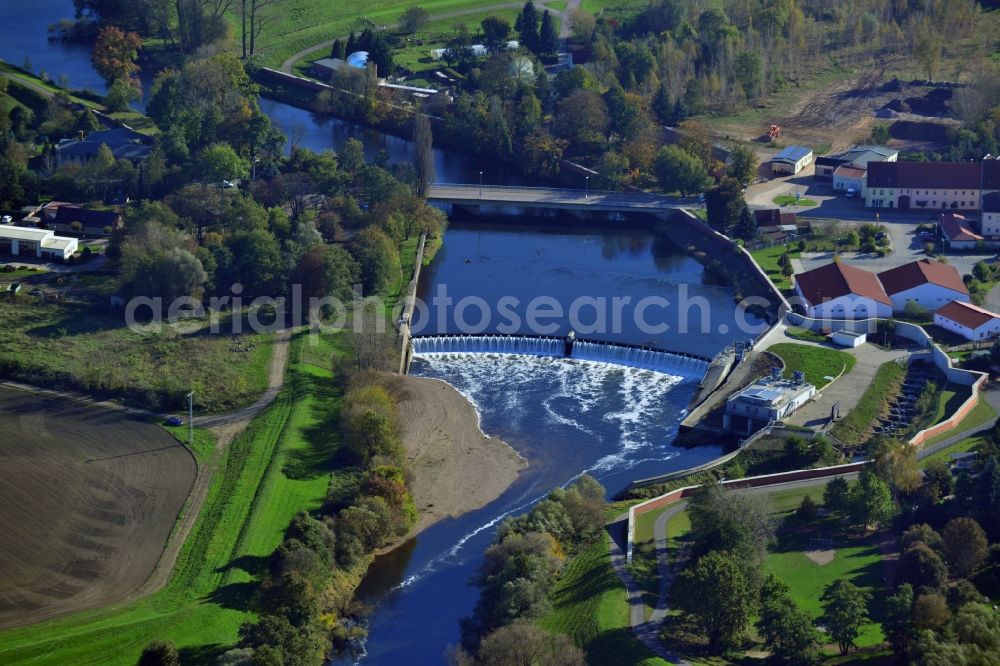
{"points": [[565, 417]]}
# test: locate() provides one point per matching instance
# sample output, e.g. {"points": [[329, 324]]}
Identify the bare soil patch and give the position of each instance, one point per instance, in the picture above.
{"points": [[89, 497], [821, 557], [456, 468]]}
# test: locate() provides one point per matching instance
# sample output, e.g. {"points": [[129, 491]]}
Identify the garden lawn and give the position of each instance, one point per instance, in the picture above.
{"points": [[952, 397], [767, 259], [886, 381], [277, 467], [790, 200], [816, 362], [589, 605], [944, 455]]}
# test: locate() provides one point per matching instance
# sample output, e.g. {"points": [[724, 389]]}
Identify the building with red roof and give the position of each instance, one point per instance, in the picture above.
{"points": [[970, 321], [928, 283], [840, 291]]}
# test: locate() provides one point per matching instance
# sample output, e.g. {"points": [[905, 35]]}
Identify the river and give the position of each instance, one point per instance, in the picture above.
{"points": [[566, 417]]}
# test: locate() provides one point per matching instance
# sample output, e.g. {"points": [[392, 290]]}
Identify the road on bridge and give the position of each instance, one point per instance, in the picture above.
{"points": [[545, 197]]}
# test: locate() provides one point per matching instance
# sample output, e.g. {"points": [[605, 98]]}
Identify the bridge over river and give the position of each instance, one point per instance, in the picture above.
{"points": [[556, 198]]}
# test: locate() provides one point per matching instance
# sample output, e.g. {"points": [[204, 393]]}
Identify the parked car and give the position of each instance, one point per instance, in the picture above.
{"points": [[175, 421], [851, 193]]}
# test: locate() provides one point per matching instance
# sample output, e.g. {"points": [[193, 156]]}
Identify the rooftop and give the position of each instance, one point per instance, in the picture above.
{"points": [[966, 314], [792, 154], [923, 271], [849, 171], [838, 279], [23, 233], [957, 228], [770, 392], [930, 175]]}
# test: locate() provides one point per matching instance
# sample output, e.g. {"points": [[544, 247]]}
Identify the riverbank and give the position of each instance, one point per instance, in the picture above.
{"points": [[456, 467]]}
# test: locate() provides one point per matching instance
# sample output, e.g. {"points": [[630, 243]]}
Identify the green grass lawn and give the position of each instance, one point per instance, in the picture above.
{"points": [[767, 259], [80, 348], [278, 466], [589, 605], [952, 397], [790, 200], [816, 362], [980, 415], [855, 424], [944, 455], [805, 334]]}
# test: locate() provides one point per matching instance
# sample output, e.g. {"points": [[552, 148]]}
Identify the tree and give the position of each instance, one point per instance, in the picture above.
{"points": [[807, 510], [930, 611], [423, 154], [965, 545], [496, 33], [720, 597], [922, 567], [257, 263], [938, 481], [413, 19], [836, 497], [921, 534], [121, 93], [724, 204], [787, 630], [928, 48], [742, 165], [160, 653], [898, 623], [880, 135], [528, 644], [548, 38], [679, 171], [115, 53], [845, 612], [872, 500], [219, 162], [326, 270], [377, 257], [527, 26], [611, 171]]}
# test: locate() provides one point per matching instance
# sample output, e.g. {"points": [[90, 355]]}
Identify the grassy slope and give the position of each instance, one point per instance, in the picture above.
{"points": [[767, 259], [75, 347], [981, 414], [280, 460], [816, 362], [589, 606], [850, 429]]}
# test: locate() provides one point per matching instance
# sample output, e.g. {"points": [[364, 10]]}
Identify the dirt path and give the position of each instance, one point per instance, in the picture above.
{"points": [[565, 25], [225, 427]]}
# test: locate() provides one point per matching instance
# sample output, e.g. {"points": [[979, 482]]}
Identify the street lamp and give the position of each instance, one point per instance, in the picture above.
{"points": [[480, 184], [586, 191], [190, 397]]}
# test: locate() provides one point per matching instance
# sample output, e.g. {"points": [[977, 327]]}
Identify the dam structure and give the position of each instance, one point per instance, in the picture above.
{"points": [[645, 358]]}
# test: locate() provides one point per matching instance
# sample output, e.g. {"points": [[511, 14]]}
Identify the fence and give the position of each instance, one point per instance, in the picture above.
{"points": [[735, 484]]}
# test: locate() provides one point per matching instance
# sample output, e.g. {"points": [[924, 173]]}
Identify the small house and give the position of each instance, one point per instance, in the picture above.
{"points": [[958, 233], [37, 243], [768, 400], [850, 339]]}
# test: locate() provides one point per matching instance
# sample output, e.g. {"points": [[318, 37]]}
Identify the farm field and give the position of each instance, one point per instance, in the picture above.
{"points": [[89, 499], [76, 348], [281, 459]]}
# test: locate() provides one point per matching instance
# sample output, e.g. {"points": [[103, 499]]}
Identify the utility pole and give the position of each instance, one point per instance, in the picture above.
{"points": [[480, 184], [586, 186], [190, 397]]}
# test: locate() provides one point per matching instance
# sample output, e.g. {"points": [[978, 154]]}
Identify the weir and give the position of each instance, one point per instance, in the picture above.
{"points": [[646, 358]]}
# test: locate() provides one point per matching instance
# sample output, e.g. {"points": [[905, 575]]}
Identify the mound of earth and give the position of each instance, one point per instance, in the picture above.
{"points": [[89, 497]]}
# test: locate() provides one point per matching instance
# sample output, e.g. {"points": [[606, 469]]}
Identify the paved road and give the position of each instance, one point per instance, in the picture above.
{"points": [[555, 197], [564, 25]]}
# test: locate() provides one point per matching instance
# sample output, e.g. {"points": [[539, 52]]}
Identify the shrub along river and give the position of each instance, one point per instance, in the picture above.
{"points": [[565, 416]]}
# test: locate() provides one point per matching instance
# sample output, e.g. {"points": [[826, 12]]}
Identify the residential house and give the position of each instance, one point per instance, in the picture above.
{"points": [[123, 142], [958, 233], [928, 283], [858, 157], [840, 291], [990, 225], [970, 321], [791, 160], [61, 216], [937, 186]]}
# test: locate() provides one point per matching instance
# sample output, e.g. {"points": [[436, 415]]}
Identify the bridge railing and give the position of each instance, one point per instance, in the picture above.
{"points": [[573, 190]]}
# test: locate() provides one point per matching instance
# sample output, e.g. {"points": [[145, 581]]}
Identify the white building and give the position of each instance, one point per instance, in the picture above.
{"points": [[37, 243], [767, 400], [957, 232], [791, 160], [839, 291], [932, 186], [846, 338], [847, 177], [991, 214], [969, 321], [928, 283]]}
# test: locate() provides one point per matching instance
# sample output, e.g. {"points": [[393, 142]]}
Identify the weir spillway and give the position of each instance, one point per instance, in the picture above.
{"points": [[647, 358]]}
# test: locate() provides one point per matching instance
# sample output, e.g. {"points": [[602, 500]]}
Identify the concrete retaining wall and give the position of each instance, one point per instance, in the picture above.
{"points": [[405, 353], [751, 482]]}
